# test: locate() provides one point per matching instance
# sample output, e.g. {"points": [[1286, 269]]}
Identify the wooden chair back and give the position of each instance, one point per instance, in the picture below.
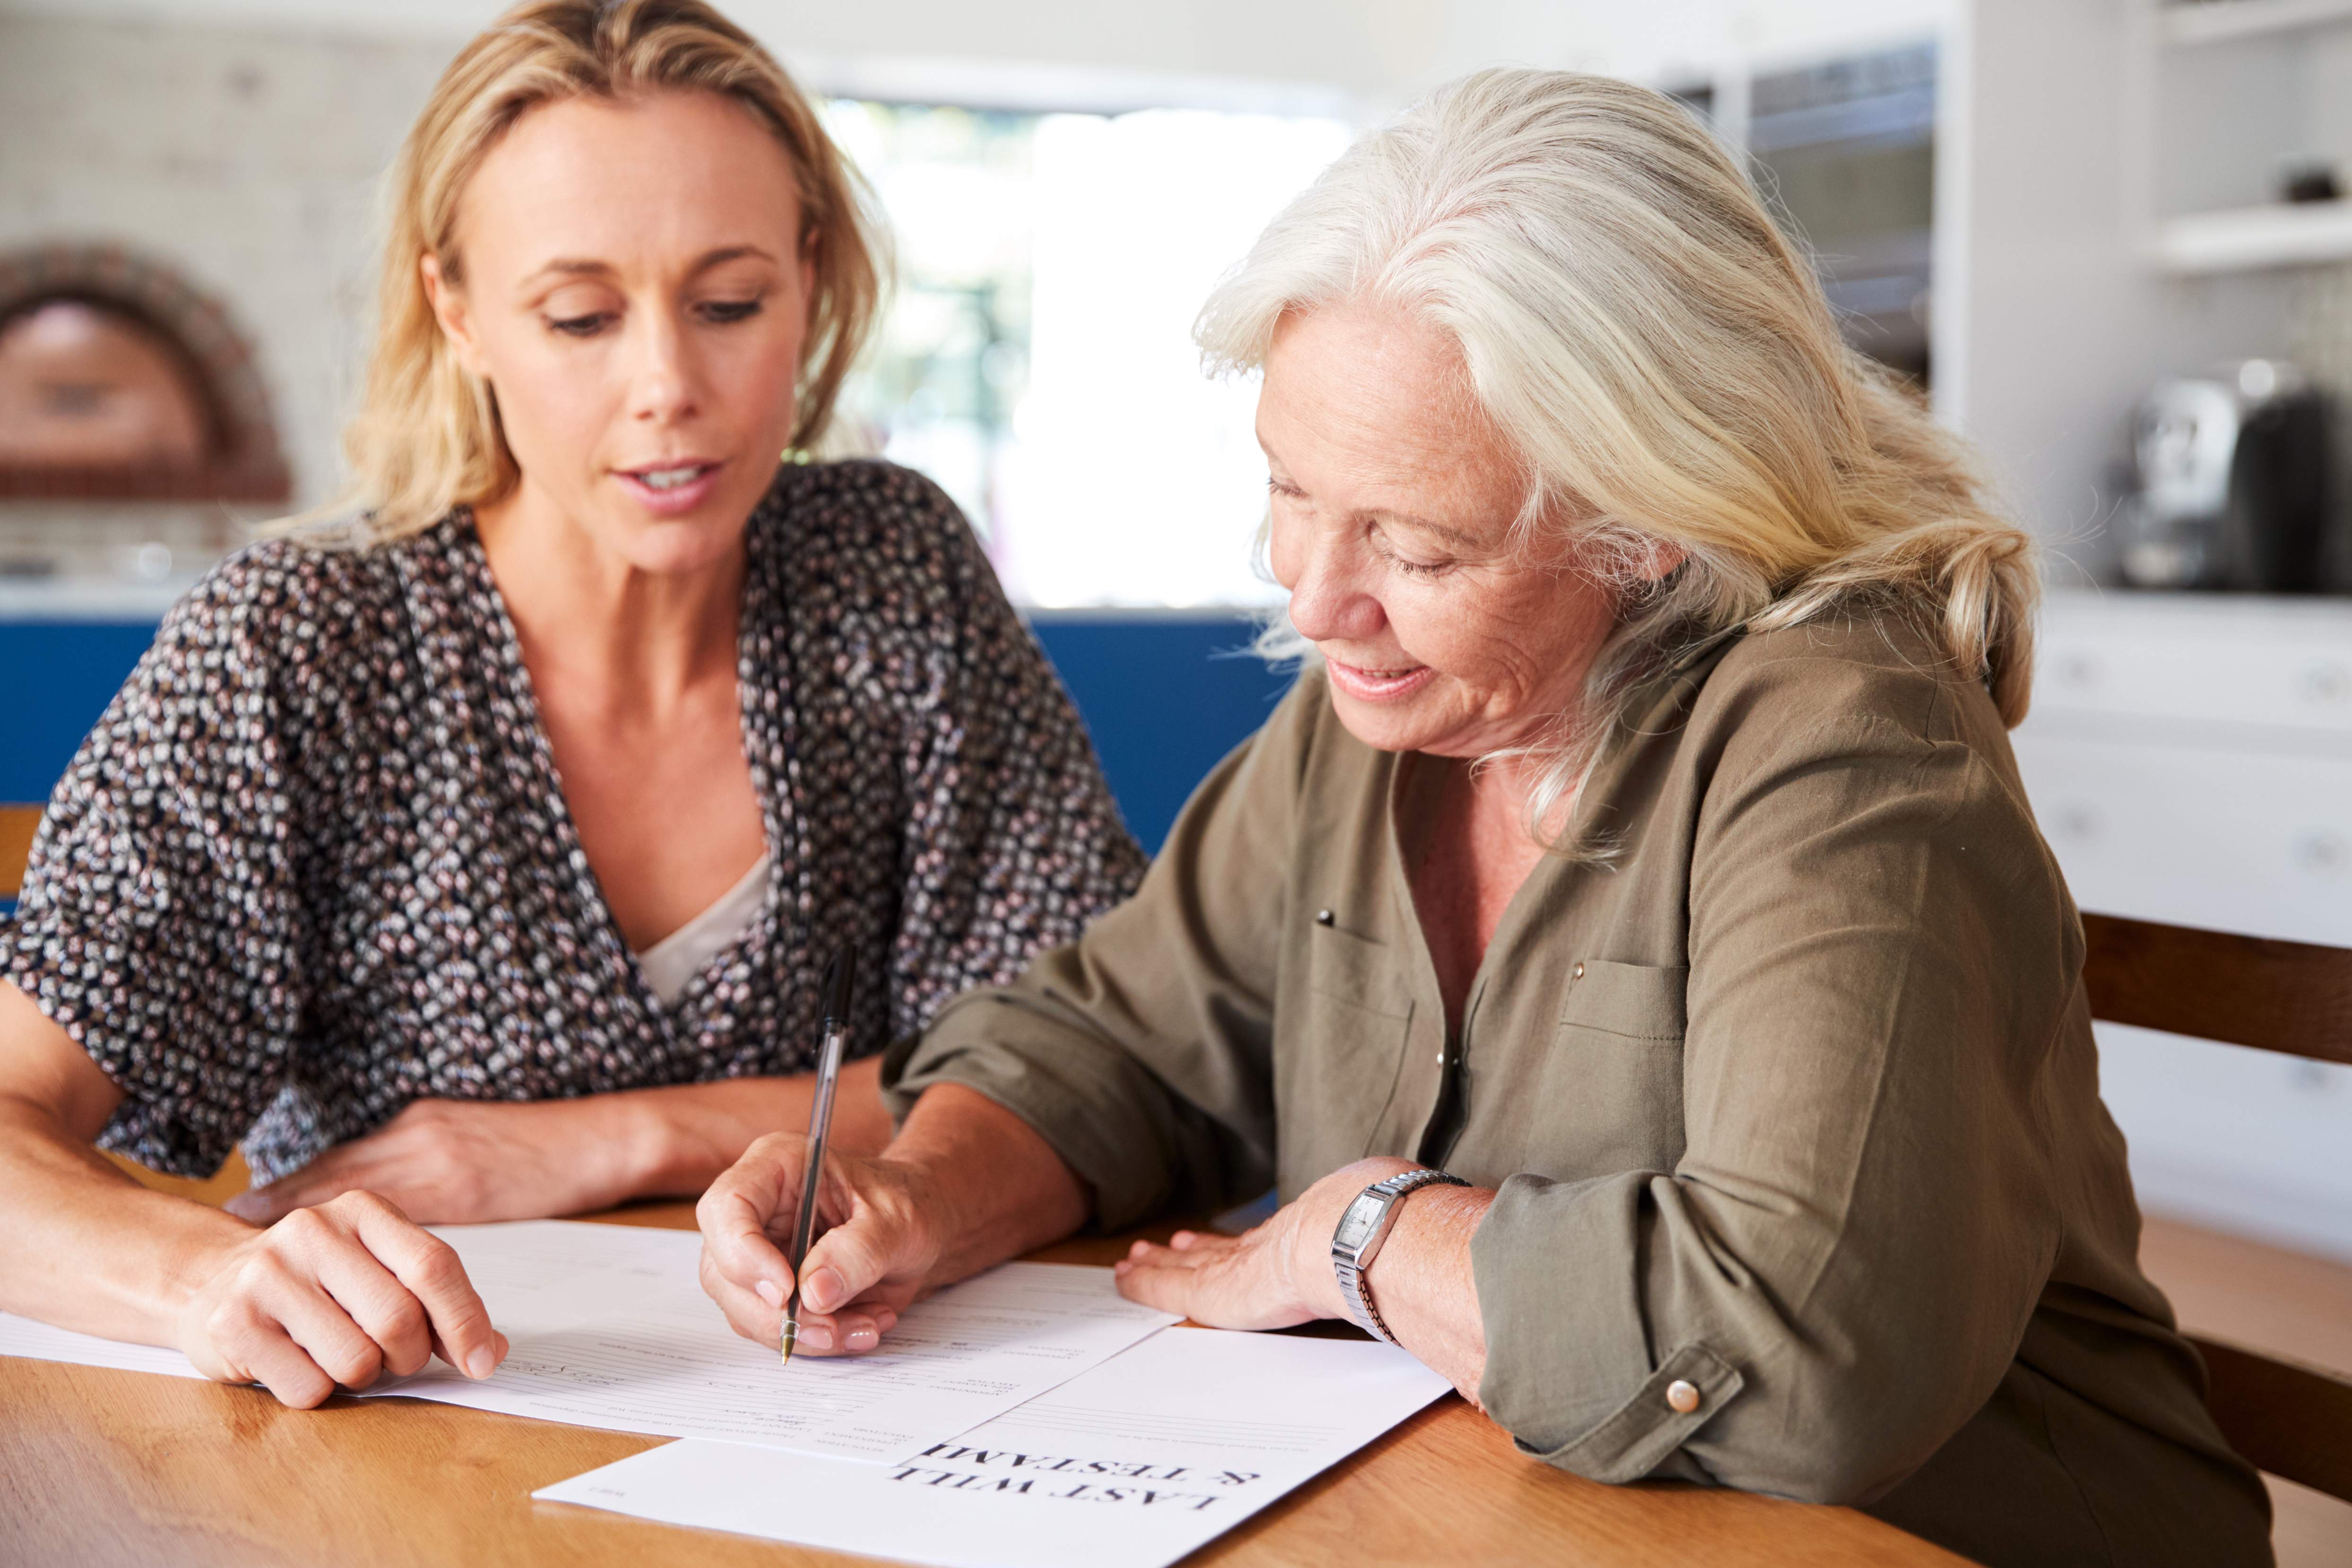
{"points": [[17, 825], [2289, 1418]]}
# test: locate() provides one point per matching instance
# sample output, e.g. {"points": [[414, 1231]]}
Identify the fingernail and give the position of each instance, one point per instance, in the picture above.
{"points": [[1121, 1266], [824, 1290], [887, 1319], [861, 1338], [482, 1363], [817, 1336], [770, 1293]]}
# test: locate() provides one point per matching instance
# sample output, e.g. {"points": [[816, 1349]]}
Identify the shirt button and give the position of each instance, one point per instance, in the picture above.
{"points": [[1683, 1395], [1323, 917], [1579, 975]]}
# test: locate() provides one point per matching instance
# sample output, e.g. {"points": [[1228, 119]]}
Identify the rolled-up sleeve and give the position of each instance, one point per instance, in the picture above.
{"points": [[1141, 1052], [1843, 1262]]}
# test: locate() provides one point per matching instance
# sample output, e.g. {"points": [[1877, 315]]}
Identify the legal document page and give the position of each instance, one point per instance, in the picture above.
{"points": [[1132, 1465], [610, 1327]]}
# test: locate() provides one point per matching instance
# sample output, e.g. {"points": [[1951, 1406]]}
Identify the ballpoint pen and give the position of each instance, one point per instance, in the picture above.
{"points": [[837, 978]]}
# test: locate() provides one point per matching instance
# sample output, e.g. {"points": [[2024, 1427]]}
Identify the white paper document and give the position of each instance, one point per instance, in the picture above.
{"points": [[24, 1337], [609, 1328], [1131, 1465]]}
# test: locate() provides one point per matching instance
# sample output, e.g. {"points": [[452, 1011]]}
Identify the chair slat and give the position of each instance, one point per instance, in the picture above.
{"points": [[2285, 1417], [16, 825], [2289, 997]]}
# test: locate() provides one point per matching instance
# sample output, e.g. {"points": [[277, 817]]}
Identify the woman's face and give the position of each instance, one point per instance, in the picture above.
{"points": [[635, 289], [1393, 501]]}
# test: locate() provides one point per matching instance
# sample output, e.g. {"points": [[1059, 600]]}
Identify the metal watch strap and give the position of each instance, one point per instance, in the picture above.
{"points": [[1352, 1268]]}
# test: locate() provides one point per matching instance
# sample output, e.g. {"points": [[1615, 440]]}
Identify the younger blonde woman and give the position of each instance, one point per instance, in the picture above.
{"points": [[480, 862], [1635, 921]]}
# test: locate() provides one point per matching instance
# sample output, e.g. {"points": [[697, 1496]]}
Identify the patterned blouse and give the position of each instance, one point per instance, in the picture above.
{"points": [[314, 863]]}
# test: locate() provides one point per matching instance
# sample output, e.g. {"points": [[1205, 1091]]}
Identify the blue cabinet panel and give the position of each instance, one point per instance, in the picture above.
{"points": [[55, 679]]}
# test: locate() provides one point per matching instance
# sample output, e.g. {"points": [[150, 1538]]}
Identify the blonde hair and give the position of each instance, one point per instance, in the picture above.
{"points": [[1661, 360], [427, 436]]}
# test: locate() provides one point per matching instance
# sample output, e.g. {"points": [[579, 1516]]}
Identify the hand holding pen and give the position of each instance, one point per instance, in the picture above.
{"points": [[895, 1223]]}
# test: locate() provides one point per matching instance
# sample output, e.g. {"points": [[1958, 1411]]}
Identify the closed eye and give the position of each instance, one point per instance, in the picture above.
{"points": [[1406, 563], [586, 326]]}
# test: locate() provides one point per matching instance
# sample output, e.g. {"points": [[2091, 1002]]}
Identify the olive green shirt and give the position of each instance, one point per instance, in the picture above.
{"points": [[1793, 1096]]}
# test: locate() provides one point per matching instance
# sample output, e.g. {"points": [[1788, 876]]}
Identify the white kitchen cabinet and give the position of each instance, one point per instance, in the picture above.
{"points": [[2190, 759]]}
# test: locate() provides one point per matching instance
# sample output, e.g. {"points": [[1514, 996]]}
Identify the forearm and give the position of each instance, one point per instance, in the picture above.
{"points": [[997, 1188], [674, 1141], [84, 1247], [1422, 1283], [1422, 1280]]}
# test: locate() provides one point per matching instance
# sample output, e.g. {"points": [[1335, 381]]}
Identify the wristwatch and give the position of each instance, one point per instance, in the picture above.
{"points": [[1363, 1229]]}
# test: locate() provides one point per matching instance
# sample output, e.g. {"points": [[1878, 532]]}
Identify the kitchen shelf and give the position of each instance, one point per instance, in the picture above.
{"points": [[2247, 239], [2218, 21]]}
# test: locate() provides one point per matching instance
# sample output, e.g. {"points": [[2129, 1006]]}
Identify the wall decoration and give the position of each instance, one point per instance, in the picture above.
{"points": [[120, 380]]}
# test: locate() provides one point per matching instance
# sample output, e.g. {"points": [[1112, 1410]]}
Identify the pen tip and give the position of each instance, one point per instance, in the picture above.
{"points": [[784, 1342]]}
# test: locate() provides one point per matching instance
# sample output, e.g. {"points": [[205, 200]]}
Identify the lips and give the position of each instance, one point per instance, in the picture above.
{"points": [[669, 488], [1368, 685]]}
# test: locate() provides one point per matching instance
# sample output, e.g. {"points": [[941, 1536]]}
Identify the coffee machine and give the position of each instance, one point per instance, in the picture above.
{"points": [[2230, 482]]}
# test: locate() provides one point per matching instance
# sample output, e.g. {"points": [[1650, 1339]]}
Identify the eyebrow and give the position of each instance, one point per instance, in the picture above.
{"points": [[566, 267], [1446, 531]]}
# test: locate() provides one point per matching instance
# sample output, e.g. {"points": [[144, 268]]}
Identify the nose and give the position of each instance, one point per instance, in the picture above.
{"points": [[1327, 578], [664, 382]]}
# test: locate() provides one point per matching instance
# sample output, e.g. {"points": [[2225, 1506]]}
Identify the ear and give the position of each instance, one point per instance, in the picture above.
{"points": [[1660, 561], [448, 301]]}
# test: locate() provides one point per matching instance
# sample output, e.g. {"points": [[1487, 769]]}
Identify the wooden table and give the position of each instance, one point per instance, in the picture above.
{"points": [[100, 1467]]}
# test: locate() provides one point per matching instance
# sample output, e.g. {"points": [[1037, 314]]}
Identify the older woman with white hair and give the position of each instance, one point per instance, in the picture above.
{"points": [[1628, 949]]}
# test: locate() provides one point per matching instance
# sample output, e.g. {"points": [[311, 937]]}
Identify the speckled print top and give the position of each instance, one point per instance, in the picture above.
{"points": [[314, 863]]}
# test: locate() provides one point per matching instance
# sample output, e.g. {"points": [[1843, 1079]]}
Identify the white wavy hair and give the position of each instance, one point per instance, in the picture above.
{"points": [[1661, 361]]}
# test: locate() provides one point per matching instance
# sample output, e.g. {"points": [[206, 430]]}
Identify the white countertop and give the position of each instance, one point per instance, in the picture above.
{"points": [[89, 598], [135, 599], [139, 599]]}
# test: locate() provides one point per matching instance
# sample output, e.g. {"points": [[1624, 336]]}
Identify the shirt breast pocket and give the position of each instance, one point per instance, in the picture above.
{"points": [[1345, 1046], [1612, 1090]]}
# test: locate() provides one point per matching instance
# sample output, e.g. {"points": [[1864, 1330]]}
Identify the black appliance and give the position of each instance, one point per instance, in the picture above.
{"points": [[2231, 482]]}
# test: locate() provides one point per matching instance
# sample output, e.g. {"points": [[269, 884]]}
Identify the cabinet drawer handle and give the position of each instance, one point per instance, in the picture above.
{"points": [[2327, 684], [2322, 853]]}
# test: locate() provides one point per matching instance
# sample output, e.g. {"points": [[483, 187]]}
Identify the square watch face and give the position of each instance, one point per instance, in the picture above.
{"points": [[1356, 1224]]}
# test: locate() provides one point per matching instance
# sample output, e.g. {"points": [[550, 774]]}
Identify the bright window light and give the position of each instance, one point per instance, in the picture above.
{"points": [[1038, 362]]}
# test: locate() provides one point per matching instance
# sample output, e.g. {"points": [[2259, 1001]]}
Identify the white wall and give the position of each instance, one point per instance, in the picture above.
{"points": [[2049, 319], [248, 158], [242, 139], [1379, 51]]}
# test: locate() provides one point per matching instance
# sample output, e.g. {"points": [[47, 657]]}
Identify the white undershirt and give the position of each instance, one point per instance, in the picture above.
{"points": [[681, 956]]}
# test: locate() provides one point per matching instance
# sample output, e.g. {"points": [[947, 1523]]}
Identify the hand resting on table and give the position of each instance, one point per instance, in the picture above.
{"points": [[456, 1162], [464, 1162], [337, 1295]]}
